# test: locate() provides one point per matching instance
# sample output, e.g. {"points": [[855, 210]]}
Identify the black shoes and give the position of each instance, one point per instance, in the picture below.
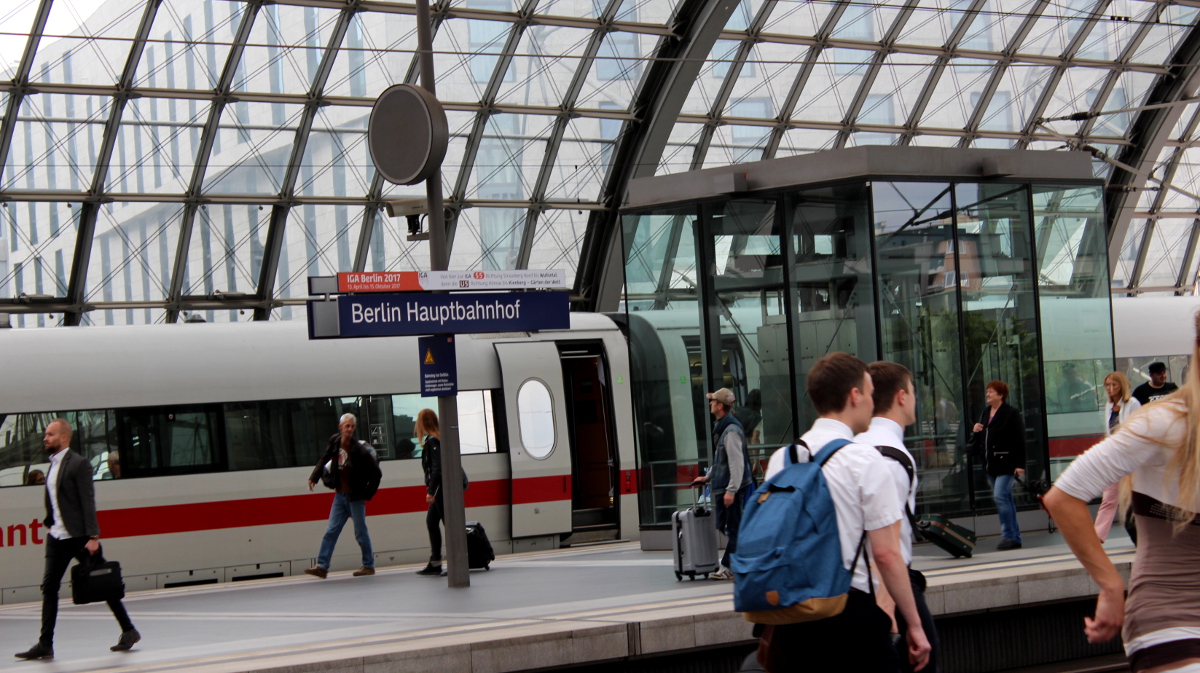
{"points": [[431, 570], [317, 571], [128, 638], [1005, 545], [38, 651]]}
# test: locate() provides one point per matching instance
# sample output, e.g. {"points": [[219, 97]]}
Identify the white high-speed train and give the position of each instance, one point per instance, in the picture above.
{"points": [[202, 438]]}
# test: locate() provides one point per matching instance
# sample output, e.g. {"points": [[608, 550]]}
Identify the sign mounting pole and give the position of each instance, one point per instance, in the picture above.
{"points": [[454, 514]]}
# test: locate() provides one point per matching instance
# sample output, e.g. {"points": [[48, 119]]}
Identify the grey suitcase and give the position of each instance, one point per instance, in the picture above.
{"points": [[694, 540]]}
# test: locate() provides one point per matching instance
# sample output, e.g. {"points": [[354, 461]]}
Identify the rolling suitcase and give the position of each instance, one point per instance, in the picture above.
{"points": [[947, 535], [694, 540], [479, 549]]}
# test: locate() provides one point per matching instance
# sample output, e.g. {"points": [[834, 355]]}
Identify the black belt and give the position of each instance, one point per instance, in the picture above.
{"points": [[1165, 653]]}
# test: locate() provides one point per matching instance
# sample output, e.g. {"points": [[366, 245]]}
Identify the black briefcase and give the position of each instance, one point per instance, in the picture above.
{"points": [[95, 580]]}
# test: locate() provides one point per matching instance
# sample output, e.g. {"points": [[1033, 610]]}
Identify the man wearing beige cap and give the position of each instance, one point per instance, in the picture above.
{"points": [[729, 474]]}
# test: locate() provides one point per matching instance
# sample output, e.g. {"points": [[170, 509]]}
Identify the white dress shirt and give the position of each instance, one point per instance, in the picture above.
{"points": [[862, 488], [886, 432], [58, 530]]}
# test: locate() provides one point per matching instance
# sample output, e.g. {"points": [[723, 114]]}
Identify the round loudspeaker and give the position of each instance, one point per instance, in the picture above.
{"points": [[407, 134]]}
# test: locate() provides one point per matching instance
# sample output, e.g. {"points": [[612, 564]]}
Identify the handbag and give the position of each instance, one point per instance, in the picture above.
{"points": [[94, 580], [327, 478]]}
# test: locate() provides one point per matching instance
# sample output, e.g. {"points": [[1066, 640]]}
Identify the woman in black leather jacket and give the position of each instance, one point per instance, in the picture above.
{"points": [[431, 462], [999, 438]]}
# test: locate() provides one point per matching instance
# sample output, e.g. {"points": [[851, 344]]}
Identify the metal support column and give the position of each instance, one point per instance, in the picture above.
{"points": [[454, 514]]}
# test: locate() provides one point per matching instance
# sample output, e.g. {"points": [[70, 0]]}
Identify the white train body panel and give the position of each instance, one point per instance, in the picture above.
{"points": [[176, 529]]}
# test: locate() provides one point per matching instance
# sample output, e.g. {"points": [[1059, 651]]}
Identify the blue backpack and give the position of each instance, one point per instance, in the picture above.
{"points": [[788, 565]]}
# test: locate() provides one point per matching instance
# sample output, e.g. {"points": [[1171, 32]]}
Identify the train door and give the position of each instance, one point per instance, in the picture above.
{"points": [[593, 448], [539, 447]]}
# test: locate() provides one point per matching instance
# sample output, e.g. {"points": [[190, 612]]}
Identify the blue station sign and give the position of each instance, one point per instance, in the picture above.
{"points": [[403, 314], [439, 366]]}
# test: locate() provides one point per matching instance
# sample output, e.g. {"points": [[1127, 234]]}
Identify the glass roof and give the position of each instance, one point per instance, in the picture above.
{"points": [[159, 158]]}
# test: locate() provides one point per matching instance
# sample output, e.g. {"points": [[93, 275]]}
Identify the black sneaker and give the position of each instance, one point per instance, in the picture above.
{"points": [[431, 570], [1005, 545], [128, 638], [38, 651]]}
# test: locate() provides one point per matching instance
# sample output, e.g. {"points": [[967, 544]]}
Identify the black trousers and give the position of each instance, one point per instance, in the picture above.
{"points": [[918, 589], [855, 641], [58, 556], [433, 519]]}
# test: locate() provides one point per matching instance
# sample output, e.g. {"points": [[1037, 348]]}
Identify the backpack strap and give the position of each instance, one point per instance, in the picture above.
{"points": [[905, 462], [793, 453]]}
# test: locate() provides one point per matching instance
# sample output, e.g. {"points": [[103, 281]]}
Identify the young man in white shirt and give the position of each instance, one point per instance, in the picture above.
{"points": [[868, 511], [895, 402]]}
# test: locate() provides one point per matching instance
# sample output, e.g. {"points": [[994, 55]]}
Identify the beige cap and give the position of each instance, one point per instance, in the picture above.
{"points": [[724, 396]]}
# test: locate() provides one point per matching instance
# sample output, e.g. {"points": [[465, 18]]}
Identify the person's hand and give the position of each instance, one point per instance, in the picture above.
{"points": [[93, 546], [698, 480], [918, 647], [978, 427], [428, 499], [311, 484], [1110, 617], [728, 499], [1020, 472]]}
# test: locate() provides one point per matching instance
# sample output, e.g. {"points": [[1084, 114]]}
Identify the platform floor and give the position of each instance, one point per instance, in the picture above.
{"points": [[539, 609]]}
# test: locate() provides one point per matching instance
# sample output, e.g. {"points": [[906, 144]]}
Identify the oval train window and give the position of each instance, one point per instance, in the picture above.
{"points": [[535, 411]]}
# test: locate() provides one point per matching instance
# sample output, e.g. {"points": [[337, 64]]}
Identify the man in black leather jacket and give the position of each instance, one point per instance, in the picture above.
{"points": [[355, 475]]}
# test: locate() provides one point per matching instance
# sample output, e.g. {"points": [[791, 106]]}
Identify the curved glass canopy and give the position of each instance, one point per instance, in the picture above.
{"points": [[168, 157]]}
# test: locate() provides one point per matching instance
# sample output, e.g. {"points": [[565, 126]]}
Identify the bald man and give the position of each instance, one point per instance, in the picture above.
{"points": [[73, 533]]}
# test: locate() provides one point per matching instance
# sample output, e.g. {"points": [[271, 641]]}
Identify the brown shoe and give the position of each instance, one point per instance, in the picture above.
{"points": [[364, 571], [317, 571]]}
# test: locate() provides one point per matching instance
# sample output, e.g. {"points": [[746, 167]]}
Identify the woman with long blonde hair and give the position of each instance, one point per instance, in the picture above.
{"points": [[428, 431], [1160, 447], [1121, 403]]}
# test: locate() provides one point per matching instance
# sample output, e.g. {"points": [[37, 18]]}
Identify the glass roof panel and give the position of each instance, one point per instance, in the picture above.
{"points": [[285, 48], [41, 247], [73, 51], [509, 158], [15, 23], [156, 146], [545, 66], [557, 240], [798, 18], [896, 89], [681, 148], [1131, 90], [55, 142], [132, 255], [651, 12], [934, 140], [582, 160], [957, 93], [1187, 173], [1015, 98], [252, 147], [616, 71], [719, 65], [1077, 90], [189, 45], [337, 161], [377, 53], [1056, 27], [773, 67], [868, 138], [736, 144], [803, 141], [587, 9], [1168, 243], [834, 82], [1112, 33], [1172, 24], [1129, 251], [933, 22], [467, 52], [487, 239], [867, 22], [226, 249], [319, 240]]}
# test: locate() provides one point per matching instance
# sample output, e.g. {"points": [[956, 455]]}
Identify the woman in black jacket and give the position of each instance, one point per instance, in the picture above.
{"points": [[1000, 439], [431, 462]]}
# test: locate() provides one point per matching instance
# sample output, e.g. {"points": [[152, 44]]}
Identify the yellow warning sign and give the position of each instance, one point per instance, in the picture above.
{"points": [[429, 356]]}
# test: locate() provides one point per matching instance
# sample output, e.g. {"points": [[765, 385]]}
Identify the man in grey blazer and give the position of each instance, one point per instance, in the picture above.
{"points": [[73, 533]]}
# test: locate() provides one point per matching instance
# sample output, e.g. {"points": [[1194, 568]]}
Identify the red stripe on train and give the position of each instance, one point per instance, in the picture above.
{"points": [[541, 489], [164, 519]]}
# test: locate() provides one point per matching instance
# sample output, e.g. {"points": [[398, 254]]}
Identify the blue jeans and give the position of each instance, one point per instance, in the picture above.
{"points": [[1002, 493], [344, 509]]}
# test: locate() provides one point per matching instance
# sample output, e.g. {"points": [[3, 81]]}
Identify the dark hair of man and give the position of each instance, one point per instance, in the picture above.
{"points": [[1001, 389], [1157, 367], [832, 378], [889, 378]]}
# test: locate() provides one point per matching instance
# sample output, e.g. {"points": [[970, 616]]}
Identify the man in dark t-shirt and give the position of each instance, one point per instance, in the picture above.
{"points": [[1157, 387]]}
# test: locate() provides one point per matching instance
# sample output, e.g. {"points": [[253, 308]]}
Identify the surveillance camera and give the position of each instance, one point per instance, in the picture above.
{"points": [[406, 207]]}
